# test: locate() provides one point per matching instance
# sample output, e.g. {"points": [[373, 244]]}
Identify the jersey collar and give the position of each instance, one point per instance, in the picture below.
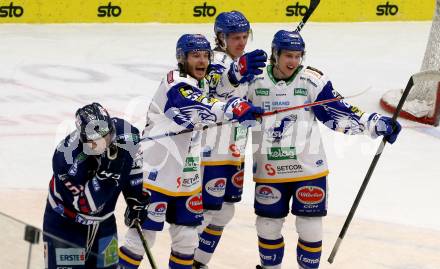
{"points": [[288, 81]]}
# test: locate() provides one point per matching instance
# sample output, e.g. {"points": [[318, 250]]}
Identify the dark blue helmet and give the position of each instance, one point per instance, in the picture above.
{"points": [[93, 122], [286, 40], [231, 22], [191, 42]]}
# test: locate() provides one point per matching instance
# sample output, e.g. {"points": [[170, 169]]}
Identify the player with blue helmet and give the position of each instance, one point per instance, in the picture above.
{"points": [[290, 167], [172, 173], [223, 150]]}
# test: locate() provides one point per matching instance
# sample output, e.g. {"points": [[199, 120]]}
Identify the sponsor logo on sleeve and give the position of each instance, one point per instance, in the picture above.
{"points": [[96, 185], [156, 211], [216, 187], [194, 203], [70, 256], [267, 195]]}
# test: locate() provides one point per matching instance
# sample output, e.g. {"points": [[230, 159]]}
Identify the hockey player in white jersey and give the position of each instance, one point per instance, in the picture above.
{"points": [[173, 169], [223, 151], [290, 165]]}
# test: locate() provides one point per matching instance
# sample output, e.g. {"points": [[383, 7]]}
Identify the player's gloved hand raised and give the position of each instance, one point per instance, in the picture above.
{"points": [[247, 66], [388, 128], [136, 210], [245, 112]]}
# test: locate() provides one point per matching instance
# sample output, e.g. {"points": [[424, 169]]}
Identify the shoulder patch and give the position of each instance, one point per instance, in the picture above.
{"points": [[313, 71]]}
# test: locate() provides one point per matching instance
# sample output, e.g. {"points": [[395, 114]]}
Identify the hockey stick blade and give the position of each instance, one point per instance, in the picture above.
{"points": [[313, 5], [145, 245], [318, 103], [418, 77]]}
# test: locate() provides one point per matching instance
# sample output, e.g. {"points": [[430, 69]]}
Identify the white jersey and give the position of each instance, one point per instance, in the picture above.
{"points": [[172, 164], [289, 143], [224, 145]]}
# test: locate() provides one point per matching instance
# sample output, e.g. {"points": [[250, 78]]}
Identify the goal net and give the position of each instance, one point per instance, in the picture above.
{"points": [[423, 102]]}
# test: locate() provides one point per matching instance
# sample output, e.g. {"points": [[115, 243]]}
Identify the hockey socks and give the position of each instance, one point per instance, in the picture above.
{"points": [[208, 241], [271, 251], [128, 260], [308, 254], [180, 261]]}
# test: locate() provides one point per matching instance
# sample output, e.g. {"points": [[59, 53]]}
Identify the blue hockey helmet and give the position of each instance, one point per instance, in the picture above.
{"points": [[231, 22], [288, 40], [191, 42], [93, 122]]}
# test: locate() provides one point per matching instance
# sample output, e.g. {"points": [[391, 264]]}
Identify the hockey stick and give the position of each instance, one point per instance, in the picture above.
{"points": [[418, 77], [145, 244], [313, 5], [220, 123]]}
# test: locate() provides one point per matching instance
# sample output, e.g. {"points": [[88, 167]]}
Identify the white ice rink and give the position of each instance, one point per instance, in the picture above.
{"points": [[48, 71]]}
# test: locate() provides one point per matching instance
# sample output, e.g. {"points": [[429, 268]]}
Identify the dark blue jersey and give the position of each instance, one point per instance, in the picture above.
{"points": [[85, 187]]}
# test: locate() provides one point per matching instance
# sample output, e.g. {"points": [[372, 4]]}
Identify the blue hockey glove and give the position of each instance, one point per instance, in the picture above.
{"points": [[243, 111], [136, 210], [247, 66], [387, 127]]}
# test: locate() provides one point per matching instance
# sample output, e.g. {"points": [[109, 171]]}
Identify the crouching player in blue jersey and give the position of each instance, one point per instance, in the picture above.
{"points": [[173, 168], [91, 167], [223, 152], [290, 167]]}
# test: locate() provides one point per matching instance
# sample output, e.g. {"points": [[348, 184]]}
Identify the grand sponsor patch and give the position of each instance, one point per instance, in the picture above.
{"points": [[267, 195], [310, 195], [194, 203], [156, 211], [216, 187], [70, 256]]}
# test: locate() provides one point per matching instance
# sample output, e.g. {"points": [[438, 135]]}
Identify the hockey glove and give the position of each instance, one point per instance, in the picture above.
{"points": [[247, 66], [136, 210], [245, 112], [386, 127]]}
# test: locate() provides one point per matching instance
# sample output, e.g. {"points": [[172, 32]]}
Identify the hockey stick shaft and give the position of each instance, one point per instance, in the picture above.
{"points": [[145, 244], [427, 75], [318, 103], [313, 5]]}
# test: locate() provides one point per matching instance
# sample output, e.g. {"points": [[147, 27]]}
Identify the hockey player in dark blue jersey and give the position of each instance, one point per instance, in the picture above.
{"points": [[91, 167]]}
